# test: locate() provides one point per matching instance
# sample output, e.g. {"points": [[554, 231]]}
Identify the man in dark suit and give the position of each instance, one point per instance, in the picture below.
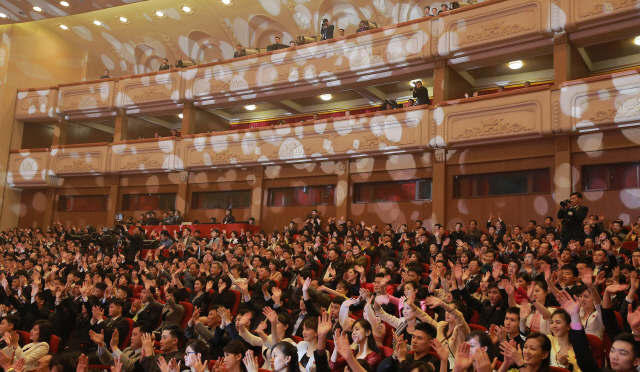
{"points": [[9, 323], [326, 31], [177, 218], [240, 52], [491, 310], [171, 338], [135, 243], [228, 218], [572, 215], [143, 310], [421, 94], [165, 65], [130, 356], [115, 321], [333, 269], [152, 220]]}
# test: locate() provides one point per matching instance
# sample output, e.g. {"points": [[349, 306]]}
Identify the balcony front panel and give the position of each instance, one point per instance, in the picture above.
{"points": [[586, 14], [394, 131], [505, 117], [607, 102], [80, 160], [375, 54], [144, 156], [36, 105], [150, 90], [30, 169], [92, 97], [484, 27]]}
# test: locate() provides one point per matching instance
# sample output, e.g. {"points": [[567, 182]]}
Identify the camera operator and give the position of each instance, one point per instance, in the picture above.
{"points": [[573, 215], [135, 243], [326, 30], [421, 94]]}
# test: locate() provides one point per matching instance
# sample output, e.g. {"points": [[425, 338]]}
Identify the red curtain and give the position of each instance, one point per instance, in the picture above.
{"points": [[541, 182], [147, 203], [88, 203], [465, 187], [597, 178], [483, 186], [624, 177]]}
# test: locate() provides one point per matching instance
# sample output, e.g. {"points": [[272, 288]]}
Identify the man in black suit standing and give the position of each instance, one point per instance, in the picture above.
{"points": [[165, 65], [573, 215], [326, 31], [135, 243], [421, 94], [177, 218], [228, 218], [240, 52]]}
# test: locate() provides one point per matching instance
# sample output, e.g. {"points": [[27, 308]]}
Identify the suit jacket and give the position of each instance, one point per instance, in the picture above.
{"points": [[153, 221], [110, 325], [229, 219], [171, 312], [128, 357], [489, 314], [572, 219], [164, 67], [135, 245], [150, 363], [338, 265], [327, 32], [422, 95], [241, 53], [151, 313]]}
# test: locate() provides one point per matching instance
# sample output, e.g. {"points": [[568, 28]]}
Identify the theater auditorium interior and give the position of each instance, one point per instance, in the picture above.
{"points": [[319, 185]]}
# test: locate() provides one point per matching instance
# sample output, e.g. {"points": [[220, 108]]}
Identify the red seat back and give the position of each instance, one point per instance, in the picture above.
{"points": [[597, 349], [236, 303], [387, 351], [54, 342], [124, 343], [25, 338], [476, 327], [188, 311]]}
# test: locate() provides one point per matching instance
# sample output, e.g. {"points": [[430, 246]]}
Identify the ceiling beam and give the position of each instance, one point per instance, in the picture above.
{"points": [[289, 106], [98, 126], [371, 93], [159, 122], [585, 58]]}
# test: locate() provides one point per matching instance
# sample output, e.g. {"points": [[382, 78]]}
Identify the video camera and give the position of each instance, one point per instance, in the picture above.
{"points": [[565, 202]]}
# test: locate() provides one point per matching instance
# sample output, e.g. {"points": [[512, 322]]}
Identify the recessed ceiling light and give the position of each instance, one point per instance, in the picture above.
{"points": [[64, 3], [159, 13], [514, 65], [97, 23], [180, 116], [250, 107], [37, 9], [637, 40], [64, 27], [186, 9], [2, 15], [226, 2], [325, 97], [123, 19]]}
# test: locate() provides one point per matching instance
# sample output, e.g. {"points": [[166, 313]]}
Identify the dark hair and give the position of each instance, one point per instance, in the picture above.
{"points": [[419, 365], [563, 314], [11, 319], [175, 332], [427, 328], [236, 347], [311, 323], [118, 302], [630, 339], [200, 348], [45, 328], [145, 327], [546, 346], [338, 300], [514, 310], [573, 269], [485, 341], [371, 341], [289, 351], [62, 363], [578, 194]]}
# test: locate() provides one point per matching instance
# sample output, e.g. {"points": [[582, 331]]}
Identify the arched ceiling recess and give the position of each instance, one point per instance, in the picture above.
{"points": [[211, 30]]}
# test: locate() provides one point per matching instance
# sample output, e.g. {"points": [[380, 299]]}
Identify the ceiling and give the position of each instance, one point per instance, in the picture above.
{"points": [[544, 62], [613, 49], [17, 11]]}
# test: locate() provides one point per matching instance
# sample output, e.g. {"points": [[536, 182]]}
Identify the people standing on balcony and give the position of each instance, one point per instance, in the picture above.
{"points": [[443, 8], [106, 75], [434, 12], [427, 11], [173, 133], [292, 44], [326, 31], [364, 26], [341, 31], [151, 219], [228, 217], [165, 65], [177, 218], [316, 116], [240, 52], [421, 94]]}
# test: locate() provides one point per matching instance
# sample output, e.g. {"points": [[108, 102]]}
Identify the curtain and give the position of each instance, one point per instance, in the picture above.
{"points": [[624, 177], [597, 178], [541, 181]]}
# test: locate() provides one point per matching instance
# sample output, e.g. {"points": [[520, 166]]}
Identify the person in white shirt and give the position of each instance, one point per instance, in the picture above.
{"points": [[40, 336]]}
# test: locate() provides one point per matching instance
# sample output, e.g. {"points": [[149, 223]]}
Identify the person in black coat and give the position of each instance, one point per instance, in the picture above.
{"points": [[573, 215], [421, 94], [135, 243], [491, 310], [333, 262], [223, 296], [143, 310], [115, 321], [228, 218], [326, 31]]}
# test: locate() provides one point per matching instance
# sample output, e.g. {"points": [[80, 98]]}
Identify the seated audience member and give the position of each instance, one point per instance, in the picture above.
{"points": [[240, 51], [500, 89], [40, 336], [341, 31], [165, 65], [527, 84], [105, 75]]}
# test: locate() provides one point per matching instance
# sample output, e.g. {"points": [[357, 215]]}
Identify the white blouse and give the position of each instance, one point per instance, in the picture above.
{"points": [[30, 352]]}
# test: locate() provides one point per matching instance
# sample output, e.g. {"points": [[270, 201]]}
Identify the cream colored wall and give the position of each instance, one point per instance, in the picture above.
{"points": [[30, 56]]}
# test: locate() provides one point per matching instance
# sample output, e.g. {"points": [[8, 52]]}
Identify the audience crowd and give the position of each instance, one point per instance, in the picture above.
{"points": [[329, 294]]}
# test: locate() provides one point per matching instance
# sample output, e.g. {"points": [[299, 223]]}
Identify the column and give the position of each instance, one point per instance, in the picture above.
{"points": [[439, 187], [343, 189], [189, 116], [181, 197], [60, 132], [562, 177], [50, 205], [257, 194], [122, 126], [568, 64], [112, 206], [447, 83]]}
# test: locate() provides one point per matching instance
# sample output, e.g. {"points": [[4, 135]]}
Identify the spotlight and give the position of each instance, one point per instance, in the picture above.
{"points": [[38, 9], [97, 23], [180, 116], [637, 40], [326, 97], [186, 9], [250, 107], [2, 15], [123, 19], [159, 14], [64, 27], [514, 65], [64, 3], [226, 2]]}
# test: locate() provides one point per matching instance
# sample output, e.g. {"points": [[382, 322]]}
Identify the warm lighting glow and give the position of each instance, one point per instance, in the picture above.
{"points": [[226, 2], [637, 40], [123, 19], [2, 15], [97, 23], [250, 107], [180, 116], [325, 97], [64, 27], [37, 9], [186, 9], [64, 3], [159, 13], [514, 65]]}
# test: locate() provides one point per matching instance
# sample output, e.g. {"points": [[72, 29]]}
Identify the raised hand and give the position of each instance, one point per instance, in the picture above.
{"points": [[115, 338], [249, 361], [569, 304], [162, 364], [324, 324], [83, 363], [98, 338], [270, 314], [443, 351], [511, 354], [463, 362]]}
